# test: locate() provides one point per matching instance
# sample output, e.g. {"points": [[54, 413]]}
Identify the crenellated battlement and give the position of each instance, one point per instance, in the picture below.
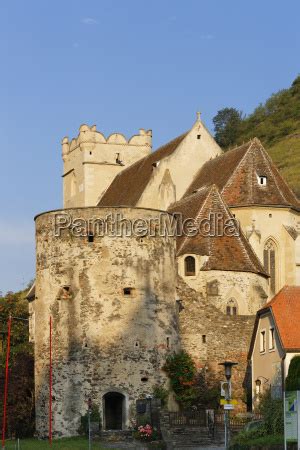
{"points": [[89, 135], [92, 161]]}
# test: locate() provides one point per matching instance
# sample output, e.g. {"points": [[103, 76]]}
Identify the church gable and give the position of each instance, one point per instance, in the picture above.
{"points": [[140, 184], [219, 236], [129, 185], [246, 176]]}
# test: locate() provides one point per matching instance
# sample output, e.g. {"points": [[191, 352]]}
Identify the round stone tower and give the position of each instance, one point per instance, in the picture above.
{"points": [[106, 277]]}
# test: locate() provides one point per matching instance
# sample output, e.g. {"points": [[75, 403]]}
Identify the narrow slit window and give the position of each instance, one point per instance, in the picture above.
{"points": [[271, 339], [90, 237], [203, 338]]}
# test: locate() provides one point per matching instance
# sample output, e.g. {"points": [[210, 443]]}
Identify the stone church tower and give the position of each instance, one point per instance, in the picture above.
{"points": [[92, 161]]}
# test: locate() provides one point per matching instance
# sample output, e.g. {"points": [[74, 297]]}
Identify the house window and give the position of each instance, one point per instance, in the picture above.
{"points": [[189, 266], [262, 341], [262, 180], [270, 263], [231, 308], [271, 339], [258, 386]]}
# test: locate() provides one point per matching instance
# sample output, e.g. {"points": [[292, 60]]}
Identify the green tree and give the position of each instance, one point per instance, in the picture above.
{"points": [[227, 123], [292, 382], [20, 405]]}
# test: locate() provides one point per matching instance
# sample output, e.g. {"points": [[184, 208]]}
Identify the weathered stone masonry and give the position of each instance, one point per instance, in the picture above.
{"points": [[103, 339]]}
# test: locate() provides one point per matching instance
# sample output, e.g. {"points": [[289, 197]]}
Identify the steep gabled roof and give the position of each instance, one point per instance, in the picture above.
{"points": [[236, 173], [224, 245], [285, 307], [127, 188]]}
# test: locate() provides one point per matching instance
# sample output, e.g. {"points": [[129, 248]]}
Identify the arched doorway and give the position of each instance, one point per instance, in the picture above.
{"points": [[114, 411]]}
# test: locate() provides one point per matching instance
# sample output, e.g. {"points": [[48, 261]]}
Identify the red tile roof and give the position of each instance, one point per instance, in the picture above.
{"points": [[236, 174], [127, 188], [225, 245], [285, 307]]}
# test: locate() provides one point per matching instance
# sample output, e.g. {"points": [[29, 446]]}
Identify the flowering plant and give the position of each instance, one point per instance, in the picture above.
{"points": [[145, 432]]}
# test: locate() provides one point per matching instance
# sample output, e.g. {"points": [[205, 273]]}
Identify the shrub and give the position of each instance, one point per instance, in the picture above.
{"points": [[94, 417], [272, 412], [146, 433], [161, 393], [293, 378]]}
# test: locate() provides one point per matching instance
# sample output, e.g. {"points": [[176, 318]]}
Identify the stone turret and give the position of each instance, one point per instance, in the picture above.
{"points": [[112, 301], [92, 161]]}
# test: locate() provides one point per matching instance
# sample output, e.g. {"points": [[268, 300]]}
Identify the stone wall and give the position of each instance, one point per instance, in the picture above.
{"points": [[105, 339], [211, 337], [248, 290]]}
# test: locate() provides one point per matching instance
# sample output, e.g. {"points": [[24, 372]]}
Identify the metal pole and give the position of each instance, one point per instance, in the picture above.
{"points": [[6, 382], [225, 427], [90, 443], [50, 381]]}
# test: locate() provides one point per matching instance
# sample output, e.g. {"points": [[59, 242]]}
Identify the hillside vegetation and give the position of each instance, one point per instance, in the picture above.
{"points": [[276, 123]]}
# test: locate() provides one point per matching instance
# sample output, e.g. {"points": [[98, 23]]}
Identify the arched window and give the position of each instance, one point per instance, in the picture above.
{"points": [[189, 266], [231, 308], [270, 262]]}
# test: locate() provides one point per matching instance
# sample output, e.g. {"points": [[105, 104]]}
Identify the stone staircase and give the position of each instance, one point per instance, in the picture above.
{"points": [[189, 432]]}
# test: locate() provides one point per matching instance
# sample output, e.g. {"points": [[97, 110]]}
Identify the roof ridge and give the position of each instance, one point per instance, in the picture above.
{"points": [[239, 163], [273, 166], [197, 216]]}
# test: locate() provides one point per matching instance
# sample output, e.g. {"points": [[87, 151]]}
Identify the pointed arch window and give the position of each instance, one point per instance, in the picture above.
{"points": [[270, 262], [189, 266], [231, 308]]}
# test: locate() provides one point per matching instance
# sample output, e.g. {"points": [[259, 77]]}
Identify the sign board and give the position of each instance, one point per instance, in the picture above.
{"points": [[291, 411], [225, 389], [223, 401], [228, 406]]}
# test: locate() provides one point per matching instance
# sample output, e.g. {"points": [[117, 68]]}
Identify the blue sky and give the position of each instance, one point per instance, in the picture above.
{"points": [[122, 65]]}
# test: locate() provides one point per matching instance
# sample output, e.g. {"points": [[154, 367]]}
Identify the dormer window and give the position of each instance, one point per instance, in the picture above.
{"points": [[262, 180]]}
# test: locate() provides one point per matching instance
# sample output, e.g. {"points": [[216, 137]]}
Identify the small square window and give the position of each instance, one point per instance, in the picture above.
{"points": [[128, 291], [198, 136]]}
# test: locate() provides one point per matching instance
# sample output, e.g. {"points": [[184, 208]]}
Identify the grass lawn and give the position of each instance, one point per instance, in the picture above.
{"points": [[58, 444]]}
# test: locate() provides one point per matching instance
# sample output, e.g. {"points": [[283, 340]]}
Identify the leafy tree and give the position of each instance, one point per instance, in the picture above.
{"points": [[20, 405], [293, 378], [191, 388], [227, 124]]}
